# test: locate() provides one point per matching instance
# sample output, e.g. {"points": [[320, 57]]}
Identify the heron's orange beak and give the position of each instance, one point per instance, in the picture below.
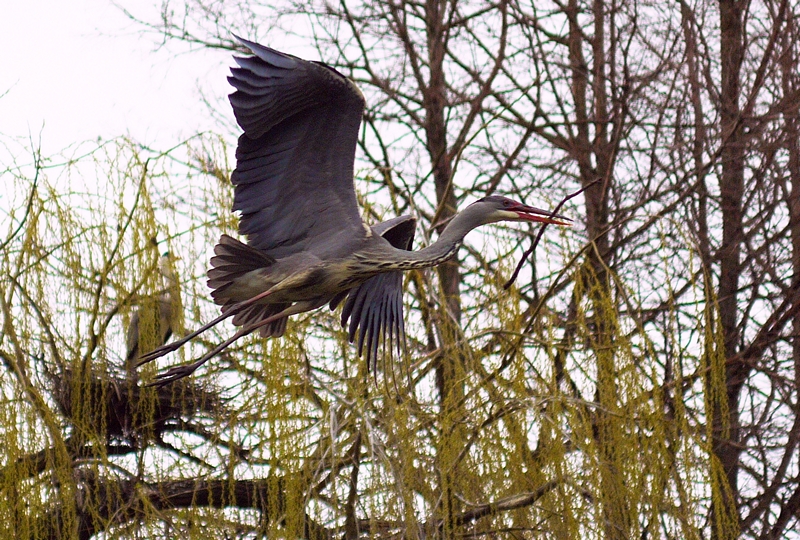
{"points": [[531, 213]]}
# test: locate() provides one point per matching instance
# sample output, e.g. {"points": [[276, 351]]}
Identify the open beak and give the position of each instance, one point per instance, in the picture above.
{"points": [[531, 213]]}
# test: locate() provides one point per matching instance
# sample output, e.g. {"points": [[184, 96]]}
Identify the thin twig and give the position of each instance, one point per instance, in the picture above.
{"points": [[541, 233]]}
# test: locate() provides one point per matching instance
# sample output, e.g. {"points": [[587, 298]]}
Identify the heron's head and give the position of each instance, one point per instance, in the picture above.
{"points": [[495, 208], [165, 265]]}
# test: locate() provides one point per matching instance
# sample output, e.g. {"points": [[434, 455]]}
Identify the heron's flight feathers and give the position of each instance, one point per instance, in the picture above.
{"points": [[259, 312], [294, 163], [276, 58], [399, 231], [375, 308]]}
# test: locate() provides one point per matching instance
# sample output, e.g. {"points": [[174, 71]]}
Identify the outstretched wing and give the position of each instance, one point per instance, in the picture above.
{"points": [[294, 163], [375, 308]]}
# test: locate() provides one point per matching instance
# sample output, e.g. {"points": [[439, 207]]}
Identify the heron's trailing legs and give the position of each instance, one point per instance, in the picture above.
{"points": [[177, 344], [179, 372]]}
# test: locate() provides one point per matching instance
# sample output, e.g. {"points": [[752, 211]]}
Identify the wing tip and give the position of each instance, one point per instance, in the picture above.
{"points": [[269, 55]]}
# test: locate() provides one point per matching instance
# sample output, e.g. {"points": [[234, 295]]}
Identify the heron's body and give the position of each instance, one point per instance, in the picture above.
{"points": [[162, 322], [303, 277], [306, 243]]}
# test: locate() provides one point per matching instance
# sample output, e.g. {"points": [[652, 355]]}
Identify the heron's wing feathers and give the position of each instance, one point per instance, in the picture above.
{"points": [[294, 171], [398, 231], [259, 312], [375, 308]]}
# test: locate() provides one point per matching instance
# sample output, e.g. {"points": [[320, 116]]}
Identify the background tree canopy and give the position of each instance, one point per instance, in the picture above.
{"points": [[639, 380]]}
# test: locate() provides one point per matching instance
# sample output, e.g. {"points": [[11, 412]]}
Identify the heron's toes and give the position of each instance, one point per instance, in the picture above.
{"points": [[173, 374], [156, 353]]}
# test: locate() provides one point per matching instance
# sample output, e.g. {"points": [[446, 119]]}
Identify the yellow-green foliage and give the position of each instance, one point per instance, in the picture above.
{"points": [[559, 424]]}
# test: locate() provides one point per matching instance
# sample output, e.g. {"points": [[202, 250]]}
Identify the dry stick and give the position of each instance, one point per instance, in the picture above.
{"points": [[541, 233]]}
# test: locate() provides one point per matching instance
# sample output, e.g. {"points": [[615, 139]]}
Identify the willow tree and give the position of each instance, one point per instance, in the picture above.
{"points": [[640, 377]]}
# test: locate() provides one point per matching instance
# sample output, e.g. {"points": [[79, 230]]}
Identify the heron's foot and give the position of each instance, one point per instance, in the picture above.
{"points": [[179, 372], [175, 373], [159, 352]]}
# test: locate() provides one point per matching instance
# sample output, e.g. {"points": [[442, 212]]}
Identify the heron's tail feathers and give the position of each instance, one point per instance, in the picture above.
{"points": [[233, 259]]}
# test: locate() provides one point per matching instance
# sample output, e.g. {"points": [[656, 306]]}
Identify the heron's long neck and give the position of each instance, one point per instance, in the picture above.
{"points": [[445, 246]]}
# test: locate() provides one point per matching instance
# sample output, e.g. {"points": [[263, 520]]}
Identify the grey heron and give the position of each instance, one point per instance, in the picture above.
{"points": [[151, 324], [307, 245]]}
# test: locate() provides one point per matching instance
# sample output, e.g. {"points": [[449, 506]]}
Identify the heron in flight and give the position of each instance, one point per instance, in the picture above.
{"points": [[306, 243]]}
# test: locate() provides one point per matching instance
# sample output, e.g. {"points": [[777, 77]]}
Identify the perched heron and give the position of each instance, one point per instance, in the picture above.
{"points": [[151, 324], [306, 243]]}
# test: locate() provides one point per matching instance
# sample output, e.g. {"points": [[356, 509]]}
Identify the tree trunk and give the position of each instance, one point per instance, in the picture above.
{"points": [[726, 425]]}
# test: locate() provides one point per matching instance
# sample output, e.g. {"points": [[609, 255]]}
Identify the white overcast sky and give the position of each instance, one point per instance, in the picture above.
{"points": [[77, 70]]}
